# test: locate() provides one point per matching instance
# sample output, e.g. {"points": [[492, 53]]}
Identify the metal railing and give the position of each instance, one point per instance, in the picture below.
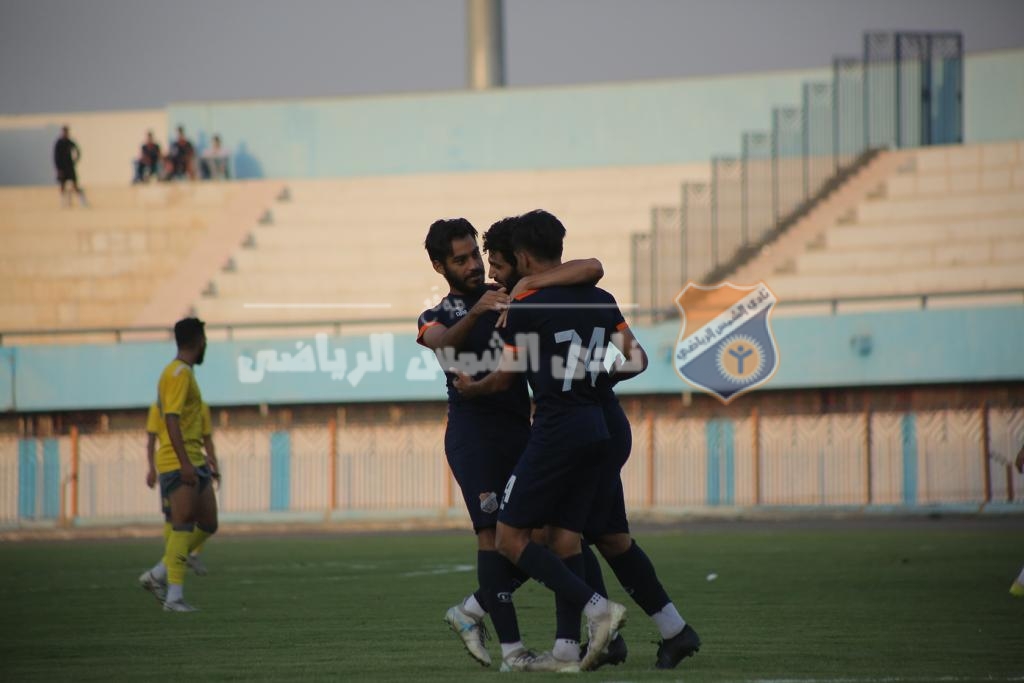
{"points": [[905, 91]]}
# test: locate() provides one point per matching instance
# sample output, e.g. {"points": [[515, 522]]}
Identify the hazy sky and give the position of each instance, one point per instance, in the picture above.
{"points": [[76, 55]]}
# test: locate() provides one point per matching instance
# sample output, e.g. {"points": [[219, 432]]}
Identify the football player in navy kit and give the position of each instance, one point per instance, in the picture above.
{"points": [[606, 524], [461, 330], [558, 336]]}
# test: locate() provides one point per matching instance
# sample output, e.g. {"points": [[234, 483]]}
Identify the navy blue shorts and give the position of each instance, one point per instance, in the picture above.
{"points": [[556, 480], [483, 449], [608, 514], [170, 481]]}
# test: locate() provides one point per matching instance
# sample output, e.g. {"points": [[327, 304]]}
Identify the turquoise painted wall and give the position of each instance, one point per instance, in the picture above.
{"points": [[994, 97], [906, 347], [679, 121], [631, 123]]}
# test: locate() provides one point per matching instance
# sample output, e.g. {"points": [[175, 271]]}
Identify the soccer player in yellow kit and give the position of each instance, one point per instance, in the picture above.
{"points": [[184, 475], [156, 433]]}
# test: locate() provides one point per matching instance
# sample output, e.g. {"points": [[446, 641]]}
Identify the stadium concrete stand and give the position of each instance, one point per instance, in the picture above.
{"points": [[928, 221], [360, 241], [100, 267]]}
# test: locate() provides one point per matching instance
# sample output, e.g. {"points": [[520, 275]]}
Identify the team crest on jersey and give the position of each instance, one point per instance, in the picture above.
{"points": [[725, 345], [489, 502]]}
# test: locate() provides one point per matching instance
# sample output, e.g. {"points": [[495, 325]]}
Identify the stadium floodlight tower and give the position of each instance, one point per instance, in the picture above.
{"points": [[485, 62]]}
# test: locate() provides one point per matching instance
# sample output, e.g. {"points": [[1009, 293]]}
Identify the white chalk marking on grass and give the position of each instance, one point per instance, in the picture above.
{"points": [[444, 569]]}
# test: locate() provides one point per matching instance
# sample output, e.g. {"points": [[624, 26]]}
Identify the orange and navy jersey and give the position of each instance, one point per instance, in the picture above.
{"points": [[481, 353], [564, 333]]}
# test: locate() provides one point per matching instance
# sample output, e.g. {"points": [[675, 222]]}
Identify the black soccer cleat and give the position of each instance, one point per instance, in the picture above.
{"points": [[614, 654], [673, 650]]}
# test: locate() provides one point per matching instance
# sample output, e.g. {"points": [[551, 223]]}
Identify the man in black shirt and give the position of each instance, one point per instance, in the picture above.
{"points": [[148, 163], [181, 157], [65, 156]]}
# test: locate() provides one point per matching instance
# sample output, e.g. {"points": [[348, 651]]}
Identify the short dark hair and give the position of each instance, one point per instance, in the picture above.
{"points": [[439, 238], [539, 233], [499, 238], [188, 332]]}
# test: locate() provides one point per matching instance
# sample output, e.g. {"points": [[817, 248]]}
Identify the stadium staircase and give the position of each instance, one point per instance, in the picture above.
{"points": [[930, 221]]}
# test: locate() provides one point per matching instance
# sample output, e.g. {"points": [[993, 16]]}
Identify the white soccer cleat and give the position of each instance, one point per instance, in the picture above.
{"points": [[195, 563], [520, 660], [179, 606], [472, 631], [152, 584], [601, 631], [546, 661]]}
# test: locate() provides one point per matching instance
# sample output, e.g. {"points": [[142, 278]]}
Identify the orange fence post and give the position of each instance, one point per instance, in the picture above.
{"points": [[74, 474], [332, 463], [869, 491], [986, 462], [650, 461], [447, 486]]}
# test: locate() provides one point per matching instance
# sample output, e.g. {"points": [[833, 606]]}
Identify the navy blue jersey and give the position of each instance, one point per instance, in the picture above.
{"points": [[478, 356], [562, 334]]}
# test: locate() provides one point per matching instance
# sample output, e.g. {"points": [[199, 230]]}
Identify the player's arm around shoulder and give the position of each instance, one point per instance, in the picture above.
{"points": [[436, 335], [587, 271]]}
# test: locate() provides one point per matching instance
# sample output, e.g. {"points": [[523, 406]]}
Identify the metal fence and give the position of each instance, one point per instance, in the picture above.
{"points": [[865, 459], [905, 91]]}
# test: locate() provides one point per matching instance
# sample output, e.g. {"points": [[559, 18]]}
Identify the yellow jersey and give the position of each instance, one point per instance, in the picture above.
{"points": [[157, 426], [178, 394]]}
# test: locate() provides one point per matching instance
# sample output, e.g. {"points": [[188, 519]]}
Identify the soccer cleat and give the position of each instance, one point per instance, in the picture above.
{"points": [[1017, 589], [178, 606], [546, 661], [673, 650], [601, 631], [152, 584], [195, 563], [520, 660], [612, 655], [472, 631]]}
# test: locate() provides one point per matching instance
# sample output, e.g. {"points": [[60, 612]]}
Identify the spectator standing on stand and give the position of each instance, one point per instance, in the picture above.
{"points": [[65, 156]]}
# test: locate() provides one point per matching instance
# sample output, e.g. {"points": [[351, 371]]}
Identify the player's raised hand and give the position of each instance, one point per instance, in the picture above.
{"points": [[492, 300]]}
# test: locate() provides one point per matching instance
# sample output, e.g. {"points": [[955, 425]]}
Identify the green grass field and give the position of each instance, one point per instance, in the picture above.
{"points": [[924, 600]]}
